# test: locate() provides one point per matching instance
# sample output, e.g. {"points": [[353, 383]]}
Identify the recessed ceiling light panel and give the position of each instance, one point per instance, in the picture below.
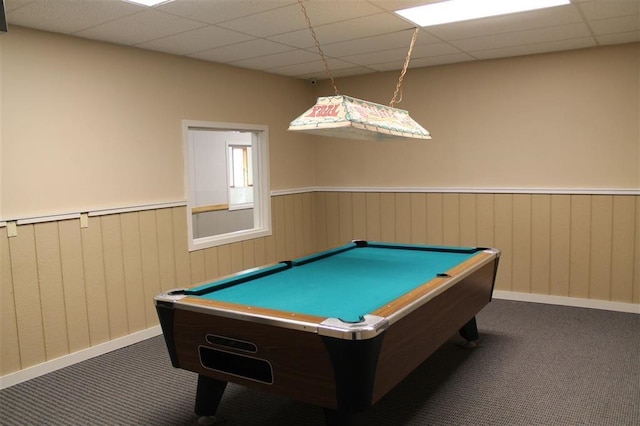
{"points": [[149, 3], [464, 10]]}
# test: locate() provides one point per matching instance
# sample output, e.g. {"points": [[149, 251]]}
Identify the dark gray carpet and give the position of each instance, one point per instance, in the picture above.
{"points": [[537, 365]]}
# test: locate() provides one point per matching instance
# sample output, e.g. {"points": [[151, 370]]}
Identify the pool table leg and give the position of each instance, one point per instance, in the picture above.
{"points": [[208, 395], [469, 331]]}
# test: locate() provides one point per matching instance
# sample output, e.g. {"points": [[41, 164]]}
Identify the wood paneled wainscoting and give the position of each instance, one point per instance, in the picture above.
{"points": [[569, 245], [71, 292], [68, 289]]}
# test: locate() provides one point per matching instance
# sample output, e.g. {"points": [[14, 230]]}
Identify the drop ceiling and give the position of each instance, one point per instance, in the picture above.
{"points": [[357, 36]]}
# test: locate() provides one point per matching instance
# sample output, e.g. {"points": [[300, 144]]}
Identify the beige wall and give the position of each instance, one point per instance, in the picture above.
{"points": [[89, 126], [1, 105], [82, 129], [561, 120]]}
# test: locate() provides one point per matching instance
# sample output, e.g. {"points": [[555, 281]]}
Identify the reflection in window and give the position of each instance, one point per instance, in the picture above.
{"points": [[240, 171]]}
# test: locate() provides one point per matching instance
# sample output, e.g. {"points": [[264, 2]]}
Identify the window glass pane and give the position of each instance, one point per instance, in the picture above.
{"points": [[238, 167], [249, 166]]}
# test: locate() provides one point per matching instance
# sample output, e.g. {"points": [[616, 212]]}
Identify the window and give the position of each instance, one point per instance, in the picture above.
{"points": [[227, 182], [240, 169]]}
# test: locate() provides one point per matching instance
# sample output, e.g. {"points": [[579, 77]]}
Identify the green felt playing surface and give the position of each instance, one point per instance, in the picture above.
{"points": [[345, 283]]}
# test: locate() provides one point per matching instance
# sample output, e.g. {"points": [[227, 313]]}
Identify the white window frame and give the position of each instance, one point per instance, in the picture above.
{"points": [[261, 195]]}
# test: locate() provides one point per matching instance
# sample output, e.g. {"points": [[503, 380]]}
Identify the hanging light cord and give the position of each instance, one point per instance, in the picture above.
{"points": [[404, 71], [315, 39], [328, 70]]}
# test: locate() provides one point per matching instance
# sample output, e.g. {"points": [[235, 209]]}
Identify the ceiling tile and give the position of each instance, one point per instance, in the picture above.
{"points": [[278, 60], [316, 68], [518, 38], [400, 39], [416, 63], [240, 51], [609, 9], [383, 56], [440, 60], [400, 4], [323, 12], [301, 39], [216, 11], [616, 25], [15, 4], [619, 38], [344, 72], [425, 61], [347, 30], [197, 40], [265, 34], [140, 27], [433, 49], [399, 56], [265, 24], [367, 26], [67, 16], [561, 15], [391, 66], [530, 49]]}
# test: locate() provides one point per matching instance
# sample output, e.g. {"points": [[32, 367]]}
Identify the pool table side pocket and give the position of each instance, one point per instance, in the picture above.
{"points": [[412, 300]]}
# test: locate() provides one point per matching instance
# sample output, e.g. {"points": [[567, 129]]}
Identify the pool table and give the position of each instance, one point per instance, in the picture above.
{"points": [[338, 329]]}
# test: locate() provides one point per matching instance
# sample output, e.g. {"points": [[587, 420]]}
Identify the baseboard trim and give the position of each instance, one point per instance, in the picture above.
{"points": [[606, 305], [76, 357], [103, 348]]}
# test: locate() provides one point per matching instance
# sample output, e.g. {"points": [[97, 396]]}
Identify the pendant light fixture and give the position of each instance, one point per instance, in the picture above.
{"points": [[342, 116]]}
